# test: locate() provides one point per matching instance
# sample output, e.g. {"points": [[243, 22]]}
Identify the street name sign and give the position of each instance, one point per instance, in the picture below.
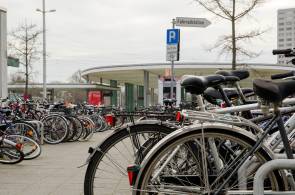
{"points": [[192, 22]]}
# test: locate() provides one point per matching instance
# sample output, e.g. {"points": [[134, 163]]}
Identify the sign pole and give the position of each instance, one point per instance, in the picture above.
{"points": [[172, 69], [173, 41]]}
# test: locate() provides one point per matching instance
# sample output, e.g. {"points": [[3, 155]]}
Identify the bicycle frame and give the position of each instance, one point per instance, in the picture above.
{"points": [[273, 142], [280, 137], [7, 141]]}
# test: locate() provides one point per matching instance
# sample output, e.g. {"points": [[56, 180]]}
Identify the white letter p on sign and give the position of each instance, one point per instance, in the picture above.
{"points": [[172, 36]]}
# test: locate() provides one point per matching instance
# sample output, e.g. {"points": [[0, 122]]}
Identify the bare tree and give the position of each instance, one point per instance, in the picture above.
{"points": [[23, 43], [77, 77], [233, 11]]}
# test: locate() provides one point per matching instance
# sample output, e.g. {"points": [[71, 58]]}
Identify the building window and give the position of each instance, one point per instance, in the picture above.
{"points": [[289, 45], [281, 40], [289, 23], [289, 34], [281, 29], [281, 45], [281, 24], [289, 28], [289, 39]]}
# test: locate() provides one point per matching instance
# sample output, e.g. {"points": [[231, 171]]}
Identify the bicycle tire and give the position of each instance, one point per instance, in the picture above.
{"points": [[78, 129], [88, 128], [54, 128], [31, 149], [17, 128], [110, 142], [71, 129], [10, 152], [170, 144]]}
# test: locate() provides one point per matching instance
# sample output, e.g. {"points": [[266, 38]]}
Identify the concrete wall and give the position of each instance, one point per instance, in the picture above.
{"points": [[3, 54]]}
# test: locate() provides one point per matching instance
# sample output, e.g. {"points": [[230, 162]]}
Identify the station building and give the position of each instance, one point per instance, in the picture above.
{"points": [[148, 84]]}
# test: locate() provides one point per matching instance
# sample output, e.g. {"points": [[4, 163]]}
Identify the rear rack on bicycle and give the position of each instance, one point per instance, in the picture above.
{"points": [[221, 118], [164, 115]]}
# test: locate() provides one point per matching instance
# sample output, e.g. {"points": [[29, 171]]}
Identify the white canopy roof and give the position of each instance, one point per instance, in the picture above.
{"points": [[133, 73]]}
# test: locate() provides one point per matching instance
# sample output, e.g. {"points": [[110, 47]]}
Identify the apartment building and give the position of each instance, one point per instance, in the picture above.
{"points": [[286, 32]]}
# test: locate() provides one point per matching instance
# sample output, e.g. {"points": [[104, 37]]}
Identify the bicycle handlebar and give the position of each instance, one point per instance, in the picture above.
{"points": [[281, 76], [282, 51]]}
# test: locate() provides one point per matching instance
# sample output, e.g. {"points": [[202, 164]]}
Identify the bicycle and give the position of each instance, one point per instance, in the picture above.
{"points": [[10, 152], [132, 133], [225, 168]]}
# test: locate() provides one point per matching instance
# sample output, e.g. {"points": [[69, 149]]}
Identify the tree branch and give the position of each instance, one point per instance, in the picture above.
{"points": [[253, 4], [211, 10]]}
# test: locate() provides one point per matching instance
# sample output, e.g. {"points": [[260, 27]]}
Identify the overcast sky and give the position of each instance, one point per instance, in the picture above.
{"points": [[87, 33]]}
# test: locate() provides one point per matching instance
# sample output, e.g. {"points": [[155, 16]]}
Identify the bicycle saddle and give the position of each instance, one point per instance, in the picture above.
{"points": [[231, 79], [198, 84], [241, 74], [274, 92], [169, 102]]}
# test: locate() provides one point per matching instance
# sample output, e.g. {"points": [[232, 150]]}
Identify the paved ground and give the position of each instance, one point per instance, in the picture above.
{"points": [[55, 172]]}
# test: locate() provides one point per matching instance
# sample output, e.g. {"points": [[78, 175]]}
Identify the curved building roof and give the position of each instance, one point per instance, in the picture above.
{"points": [[133, 73]]}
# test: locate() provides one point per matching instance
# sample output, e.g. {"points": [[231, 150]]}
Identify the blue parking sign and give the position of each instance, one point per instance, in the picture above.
{"points": [[173, 36]]}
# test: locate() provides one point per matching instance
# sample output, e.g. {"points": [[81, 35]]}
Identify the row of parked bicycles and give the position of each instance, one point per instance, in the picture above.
{"points": [[25, 126], [219, 147]]}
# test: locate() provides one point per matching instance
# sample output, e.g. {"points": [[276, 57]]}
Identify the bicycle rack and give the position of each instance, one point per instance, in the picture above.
{"points": [[40, 128], [264, 170]]}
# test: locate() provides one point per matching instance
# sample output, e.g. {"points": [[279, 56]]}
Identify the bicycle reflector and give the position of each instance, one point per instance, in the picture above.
{"points": [[179, 116], [19, 146], [110, 119], [223, 105], [29, 132], [132, 171]]}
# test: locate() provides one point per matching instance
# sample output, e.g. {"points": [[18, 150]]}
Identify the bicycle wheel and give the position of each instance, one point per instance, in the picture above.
{"points": [[78, 129], [55, 129], [71, 129], [30, 148], [186, 164], [10, 155], [107, 169], [100, 124], [88, 125], [95, 119], [23, 128]]}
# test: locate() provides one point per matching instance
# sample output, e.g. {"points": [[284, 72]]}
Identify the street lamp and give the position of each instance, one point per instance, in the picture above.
{"points": [[43, 11]]}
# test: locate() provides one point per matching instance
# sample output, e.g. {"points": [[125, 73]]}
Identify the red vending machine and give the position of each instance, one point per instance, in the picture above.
{"points": [[95, 98]]}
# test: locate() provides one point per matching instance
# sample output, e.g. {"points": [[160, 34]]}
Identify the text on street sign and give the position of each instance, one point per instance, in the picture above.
{"points": [[192, 22]]}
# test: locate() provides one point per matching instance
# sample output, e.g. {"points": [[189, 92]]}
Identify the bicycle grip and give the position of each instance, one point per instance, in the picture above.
{"points": [[281, 76]]}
